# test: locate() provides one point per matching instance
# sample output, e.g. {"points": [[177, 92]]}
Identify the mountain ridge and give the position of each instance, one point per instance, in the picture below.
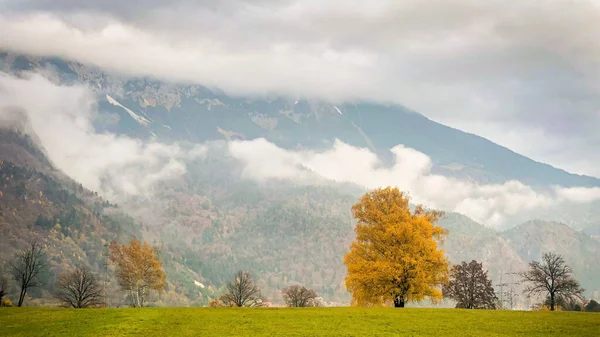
{"points": [[195, 113]]}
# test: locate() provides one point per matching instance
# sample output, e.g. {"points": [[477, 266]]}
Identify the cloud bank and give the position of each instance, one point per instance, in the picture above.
{"points": [[488, 204], [525, 75], [121, 167], [61, 117]]}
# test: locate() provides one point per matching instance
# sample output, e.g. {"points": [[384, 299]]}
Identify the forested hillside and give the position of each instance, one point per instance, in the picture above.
{"points": [[213, 222], [73, 224]]}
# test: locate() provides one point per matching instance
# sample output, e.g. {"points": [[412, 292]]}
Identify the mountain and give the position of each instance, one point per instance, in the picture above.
{"points": [[212, 221], [581, 251], [147, 108]]}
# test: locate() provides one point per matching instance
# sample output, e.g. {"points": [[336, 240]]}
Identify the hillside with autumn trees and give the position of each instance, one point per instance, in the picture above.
{"points": [[74, 225], [213, 222]]}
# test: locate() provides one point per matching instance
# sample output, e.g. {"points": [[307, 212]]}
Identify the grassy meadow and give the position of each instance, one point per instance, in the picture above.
{"points": [[293, 322]]}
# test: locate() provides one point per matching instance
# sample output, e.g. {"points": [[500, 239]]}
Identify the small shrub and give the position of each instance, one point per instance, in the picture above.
{"points": [[216, 303], [6, 302]]}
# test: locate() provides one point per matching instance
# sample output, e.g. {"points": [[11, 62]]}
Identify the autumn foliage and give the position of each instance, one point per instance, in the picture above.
{"points": [[138, 270], [395, 257]]}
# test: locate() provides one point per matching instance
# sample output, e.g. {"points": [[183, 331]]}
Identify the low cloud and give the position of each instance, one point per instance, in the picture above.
{"points": [[579, 194], [120, 166], [61, 117], [488, 204]]}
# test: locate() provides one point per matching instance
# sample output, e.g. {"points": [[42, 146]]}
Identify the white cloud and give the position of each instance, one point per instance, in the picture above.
{"points": [[579, 194], [61, 116], [488, 204], [119, 166]]}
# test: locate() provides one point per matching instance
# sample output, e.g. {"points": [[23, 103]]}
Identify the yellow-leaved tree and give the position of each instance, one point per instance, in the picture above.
{"points": [[395, 257], [138, 270]]}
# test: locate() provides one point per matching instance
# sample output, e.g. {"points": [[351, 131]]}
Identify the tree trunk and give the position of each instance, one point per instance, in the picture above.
{"points": [[21, 297], [399, 302], [551, 302]]}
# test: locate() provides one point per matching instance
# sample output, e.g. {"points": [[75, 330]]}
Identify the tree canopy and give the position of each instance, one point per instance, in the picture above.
{"points": [[470, 287], [299, 296], [138, 270], [395, 257]]}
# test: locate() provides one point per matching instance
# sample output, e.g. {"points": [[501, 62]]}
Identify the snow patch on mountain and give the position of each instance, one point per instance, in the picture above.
{"points": [[338, 110], [210, 103], [142, 120]]}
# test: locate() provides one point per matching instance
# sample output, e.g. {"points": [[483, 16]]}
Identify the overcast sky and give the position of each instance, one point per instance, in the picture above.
{"points": [[524, 74]]}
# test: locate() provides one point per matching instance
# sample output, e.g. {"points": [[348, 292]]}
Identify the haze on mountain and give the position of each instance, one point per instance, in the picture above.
{"points": [[239, 133]]}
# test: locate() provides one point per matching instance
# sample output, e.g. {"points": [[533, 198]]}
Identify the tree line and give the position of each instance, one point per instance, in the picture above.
{"points": [[138, 271], [394, 260]]}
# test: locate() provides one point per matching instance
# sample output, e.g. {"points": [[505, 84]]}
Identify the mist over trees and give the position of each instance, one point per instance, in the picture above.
{"points": [[553, 277], [470, 287], [395, 256], [26, 268], [395, 259]]}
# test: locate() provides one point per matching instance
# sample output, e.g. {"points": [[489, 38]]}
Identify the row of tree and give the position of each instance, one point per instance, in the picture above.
{"points": [[243, 292], [395, 259], [138, 271]]}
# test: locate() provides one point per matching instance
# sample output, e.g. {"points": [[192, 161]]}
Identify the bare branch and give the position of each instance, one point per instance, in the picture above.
{"points": [[242, 292], [299, 296], [26, 268], [79, 289], [552, 277]]}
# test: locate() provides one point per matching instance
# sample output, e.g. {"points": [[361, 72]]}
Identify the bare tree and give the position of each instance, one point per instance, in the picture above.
{"points": [[242, 292], [79, 288], [470, 287], [3, 285], [299, 296], [552, 277], [26, 268]]}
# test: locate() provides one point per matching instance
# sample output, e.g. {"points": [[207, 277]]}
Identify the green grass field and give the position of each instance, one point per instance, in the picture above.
{"points": [[293, 322]]}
